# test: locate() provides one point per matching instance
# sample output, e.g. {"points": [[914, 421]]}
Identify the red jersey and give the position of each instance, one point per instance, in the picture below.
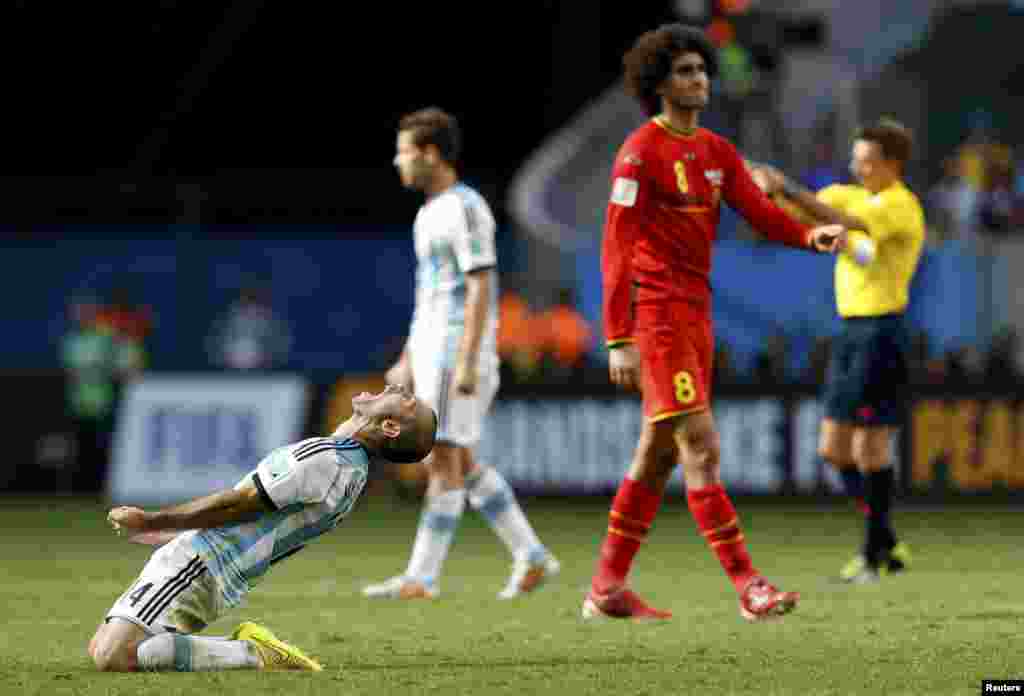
{"points": [[663, 218]]}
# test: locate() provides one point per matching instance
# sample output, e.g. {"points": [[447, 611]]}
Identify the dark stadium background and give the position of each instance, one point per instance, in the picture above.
{"points": [[172, 153], [295, 102]]}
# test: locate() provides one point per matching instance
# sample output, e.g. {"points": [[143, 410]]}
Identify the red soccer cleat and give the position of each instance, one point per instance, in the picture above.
{"points": [[761, 600], [621, 604]]}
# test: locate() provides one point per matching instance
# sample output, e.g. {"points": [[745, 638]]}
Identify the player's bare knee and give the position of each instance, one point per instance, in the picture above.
{"points": [[113, 654], [445, 469], [703, 457], [92, 641], [836, 456], [872, 448], [701, 441], [873, 458], [835, 444]]}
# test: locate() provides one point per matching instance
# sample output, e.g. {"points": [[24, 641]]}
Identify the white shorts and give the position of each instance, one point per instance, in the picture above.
{"points": [[174, 592], [459, 418]]}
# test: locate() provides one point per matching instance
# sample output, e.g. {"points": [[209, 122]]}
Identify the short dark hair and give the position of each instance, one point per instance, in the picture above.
{"points": [[649, 61], [411, 445], [895, 139], [434, 126]]}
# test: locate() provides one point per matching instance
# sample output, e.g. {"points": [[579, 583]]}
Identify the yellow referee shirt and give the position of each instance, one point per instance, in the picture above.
{"points": [[895, 223]]}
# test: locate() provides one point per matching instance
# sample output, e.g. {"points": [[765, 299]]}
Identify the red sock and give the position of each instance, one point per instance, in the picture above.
{"points": [[632, 512], [717, 520]]}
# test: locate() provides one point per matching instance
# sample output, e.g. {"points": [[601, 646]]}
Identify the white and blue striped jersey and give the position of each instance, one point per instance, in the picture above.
{"points": [[454, 236], [309, 486]]}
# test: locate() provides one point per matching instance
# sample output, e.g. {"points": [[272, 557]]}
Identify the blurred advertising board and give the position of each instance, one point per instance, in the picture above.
{"points": [[584, 445], [966, 445], [179, 437], [953, 444]]}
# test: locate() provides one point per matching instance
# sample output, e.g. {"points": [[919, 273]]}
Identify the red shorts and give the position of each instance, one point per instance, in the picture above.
{"points": [[676, 346]]}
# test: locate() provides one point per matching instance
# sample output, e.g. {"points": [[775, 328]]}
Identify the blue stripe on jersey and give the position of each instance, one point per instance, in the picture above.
{"points": [[238, 554], [267, 524], [294, 541]]}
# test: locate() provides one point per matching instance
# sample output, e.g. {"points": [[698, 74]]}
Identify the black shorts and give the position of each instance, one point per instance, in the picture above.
{"points": [[868, 374]]}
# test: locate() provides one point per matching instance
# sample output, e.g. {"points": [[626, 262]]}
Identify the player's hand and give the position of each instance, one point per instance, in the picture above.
{"points": [[127, 519], [829, 239], [400, 374], [465, 378], [624, 366]]}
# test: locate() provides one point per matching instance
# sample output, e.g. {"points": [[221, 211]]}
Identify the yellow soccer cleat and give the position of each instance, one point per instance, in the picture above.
{"points": [[274, 653], [899, 558], [895, 561], [853, 568]]}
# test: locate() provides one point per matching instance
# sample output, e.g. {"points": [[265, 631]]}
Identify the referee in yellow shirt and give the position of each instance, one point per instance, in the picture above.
{"points": [[866, 389]]}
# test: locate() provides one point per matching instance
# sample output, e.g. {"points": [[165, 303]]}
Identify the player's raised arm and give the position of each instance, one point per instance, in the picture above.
{"points": [[747, 198], [824, 206], [225, 507]]}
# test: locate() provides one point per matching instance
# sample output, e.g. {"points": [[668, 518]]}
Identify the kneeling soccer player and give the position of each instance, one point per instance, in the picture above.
{"points": [[221, 544]]}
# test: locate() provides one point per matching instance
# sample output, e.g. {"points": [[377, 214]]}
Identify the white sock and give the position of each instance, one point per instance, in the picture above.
{"points": [[185, 653], [492, 497], [434, 535]]}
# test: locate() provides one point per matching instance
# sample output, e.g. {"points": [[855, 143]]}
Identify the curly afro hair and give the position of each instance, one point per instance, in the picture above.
{"points": [[649, 61]]}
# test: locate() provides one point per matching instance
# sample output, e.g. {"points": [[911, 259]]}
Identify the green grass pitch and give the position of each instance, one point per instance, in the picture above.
{"points": [[953, 620]]}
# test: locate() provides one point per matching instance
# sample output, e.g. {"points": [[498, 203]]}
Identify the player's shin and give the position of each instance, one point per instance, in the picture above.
{"points": [[186, 653], [717, 520], [629, 522]]}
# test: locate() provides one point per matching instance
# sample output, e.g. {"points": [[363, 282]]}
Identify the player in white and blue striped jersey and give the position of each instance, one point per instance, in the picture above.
{"points": [[451, 360], [217, 548]]}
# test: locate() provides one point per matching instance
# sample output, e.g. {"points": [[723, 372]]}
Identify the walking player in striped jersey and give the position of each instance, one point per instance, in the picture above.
{"points": [[216, 548], [451, 361]]}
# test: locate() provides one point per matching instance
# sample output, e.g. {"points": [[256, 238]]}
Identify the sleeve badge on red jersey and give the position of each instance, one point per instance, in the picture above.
{"points": [[624, 191]]}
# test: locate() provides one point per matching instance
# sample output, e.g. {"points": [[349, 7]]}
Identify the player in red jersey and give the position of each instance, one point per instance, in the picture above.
{"points": [[669, 179]]}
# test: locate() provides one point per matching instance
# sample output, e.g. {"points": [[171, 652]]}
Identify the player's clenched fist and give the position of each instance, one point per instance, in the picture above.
{"points": [[131, 519], [829, 239], [624, 366]]}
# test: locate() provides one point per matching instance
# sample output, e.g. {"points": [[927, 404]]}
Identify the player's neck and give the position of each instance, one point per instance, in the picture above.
{"points": [[685, 121], [442, 181], [350, 428], [884, 184]]}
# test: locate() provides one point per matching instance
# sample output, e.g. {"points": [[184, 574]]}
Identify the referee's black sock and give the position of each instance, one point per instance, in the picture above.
{"points": [[853, 483], [878, 496]]}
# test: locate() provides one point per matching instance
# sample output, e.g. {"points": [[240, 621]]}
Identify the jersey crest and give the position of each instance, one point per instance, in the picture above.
{"points": [[624, 191]]}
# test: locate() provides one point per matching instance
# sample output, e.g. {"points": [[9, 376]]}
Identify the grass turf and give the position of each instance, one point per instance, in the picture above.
{"points": [[953, 620]]}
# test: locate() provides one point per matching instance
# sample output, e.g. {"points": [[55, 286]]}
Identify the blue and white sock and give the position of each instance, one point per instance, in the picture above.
{"points": [[186, 653], [438, 521], [492, 496]]}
